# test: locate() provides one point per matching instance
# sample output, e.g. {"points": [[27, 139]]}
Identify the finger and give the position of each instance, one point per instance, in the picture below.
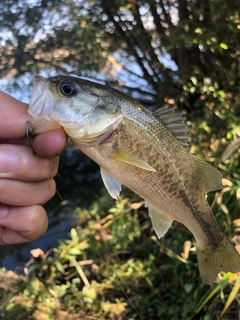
{"points": [[20, 193], [21, 224], [21, 141], [47, 145], [13, 117], [50, 144], [19, 163]]}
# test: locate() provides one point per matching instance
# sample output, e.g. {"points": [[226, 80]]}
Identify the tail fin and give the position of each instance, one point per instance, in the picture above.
{"points": [[222, 257]]}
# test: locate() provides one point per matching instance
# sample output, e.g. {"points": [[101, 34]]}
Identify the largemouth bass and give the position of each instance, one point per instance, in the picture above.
{"points": [[144, 150]]}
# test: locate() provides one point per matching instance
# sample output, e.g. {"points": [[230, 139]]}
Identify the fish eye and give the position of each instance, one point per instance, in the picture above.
{"points": [[67, 88]]}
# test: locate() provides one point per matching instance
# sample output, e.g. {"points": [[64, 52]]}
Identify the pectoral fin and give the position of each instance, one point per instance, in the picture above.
{"points": [[161, 222], [112, 185], [127, 157]]}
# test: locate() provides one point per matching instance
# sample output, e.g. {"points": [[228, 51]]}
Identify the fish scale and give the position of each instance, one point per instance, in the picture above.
{"points": [[143, 150], [162, 183]]}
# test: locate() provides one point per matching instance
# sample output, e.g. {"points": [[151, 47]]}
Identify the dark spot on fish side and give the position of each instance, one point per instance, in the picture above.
{"points": [[182, 194]]}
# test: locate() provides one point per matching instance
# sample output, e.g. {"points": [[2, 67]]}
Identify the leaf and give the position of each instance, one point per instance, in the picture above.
{"points": [[238, 193], [231, 148], [89, 292], [59, 267], [224, 46], [198, 31], [194, 80], [231, 297], [74, 251], [74, 234], [210, 293]]}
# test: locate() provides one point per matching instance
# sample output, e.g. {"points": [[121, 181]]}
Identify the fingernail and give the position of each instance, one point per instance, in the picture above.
{"points": [[3, 210], [9, 161]]}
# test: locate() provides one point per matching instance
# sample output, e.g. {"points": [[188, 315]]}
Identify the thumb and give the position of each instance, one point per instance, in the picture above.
{"points": [[13, 117]]}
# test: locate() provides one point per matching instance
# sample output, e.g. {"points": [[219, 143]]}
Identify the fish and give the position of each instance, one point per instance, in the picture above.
{"points": [[144, 150]]}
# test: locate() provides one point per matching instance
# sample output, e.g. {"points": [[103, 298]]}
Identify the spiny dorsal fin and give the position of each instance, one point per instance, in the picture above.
{"points": [[174, 122]]}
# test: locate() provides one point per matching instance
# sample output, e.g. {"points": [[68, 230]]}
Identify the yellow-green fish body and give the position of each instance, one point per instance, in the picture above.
{"points": [[143, 150]]}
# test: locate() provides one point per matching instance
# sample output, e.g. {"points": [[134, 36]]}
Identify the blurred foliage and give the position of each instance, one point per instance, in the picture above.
{"points": [[114, 267], [172, 52]]}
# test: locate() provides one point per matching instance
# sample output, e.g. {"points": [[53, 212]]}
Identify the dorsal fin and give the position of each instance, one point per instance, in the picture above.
{"points": [[211, 177], [174, 122]]}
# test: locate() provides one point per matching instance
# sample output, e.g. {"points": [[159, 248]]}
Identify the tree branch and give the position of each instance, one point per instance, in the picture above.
{"points": [[130, 42]]}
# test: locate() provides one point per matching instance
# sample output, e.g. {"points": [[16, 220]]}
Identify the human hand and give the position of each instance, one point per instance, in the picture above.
{"points": [[26, 180]]}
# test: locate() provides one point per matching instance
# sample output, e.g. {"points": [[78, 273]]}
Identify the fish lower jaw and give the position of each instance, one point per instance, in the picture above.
{"points": [[40, 125], [84, 139]]}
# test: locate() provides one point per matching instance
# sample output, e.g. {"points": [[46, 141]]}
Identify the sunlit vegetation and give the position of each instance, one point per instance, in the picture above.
{"points": [[183, 53], [114, 267]]}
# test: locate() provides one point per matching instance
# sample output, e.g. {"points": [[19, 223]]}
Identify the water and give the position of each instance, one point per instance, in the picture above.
{"points": [[77, 182]]}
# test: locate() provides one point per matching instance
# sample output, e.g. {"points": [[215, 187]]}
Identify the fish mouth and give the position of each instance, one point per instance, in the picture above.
{"points": [[41, 102], [41, 107]]}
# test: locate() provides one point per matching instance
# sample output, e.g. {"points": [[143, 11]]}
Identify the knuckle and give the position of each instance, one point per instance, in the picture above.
{"points": [[6, 187], [46, 169], [38, 221], [3, 236], [50, 189], [34, 215], [54, 166]]}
